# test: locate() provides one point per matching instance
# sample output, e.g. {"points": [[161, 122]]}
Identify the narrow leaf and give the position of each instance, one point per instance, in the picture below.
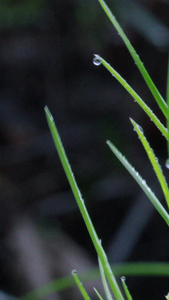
{"points": [[153, 160], [128, 269], [167, 96], [141, 182], [128, 295], [80, 286], [82, 207], [136, 97], [159, 99], [106, 288], [98, 294]]}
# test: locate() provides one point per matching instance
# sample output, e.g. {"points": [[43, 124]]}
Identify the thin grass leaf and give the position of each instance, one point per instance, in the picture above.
{"points": [[136, 97], [80, 202], [127, 269], [141, 182], [128, 295], [154, 161], [159, 99], [167, 96], [80, 286], [106, 288], [97, 293]]}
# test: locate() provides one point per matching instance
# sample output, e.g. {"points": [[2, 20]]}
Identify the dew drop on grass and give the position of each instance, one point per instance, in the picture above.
{"points": [[96, 60], [123, 278], [167, 163]]}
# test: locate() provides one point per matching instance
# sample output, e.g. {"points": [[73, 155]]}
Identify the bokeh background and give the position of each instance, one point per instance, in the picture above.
{"points": [[46, 54]]}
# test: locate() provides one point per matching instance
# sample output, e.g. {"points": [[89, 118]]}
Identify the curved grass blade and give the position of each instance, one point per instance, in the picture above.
{"points": [[106, 288], [97, 293], [153, 160], [159, 99], [128, 295], [136, 97], [82, 207], [141, 182], [80, 286]]}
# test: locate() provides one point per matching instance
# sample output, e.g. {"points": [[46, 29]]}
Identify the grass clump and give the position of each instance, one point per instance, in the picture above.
{"points": [[116, 291], [112, 289]]}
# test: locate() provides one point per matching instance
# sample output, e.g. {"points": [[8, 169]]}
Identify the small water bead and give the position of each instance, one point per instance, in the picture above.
{"points": [[167, 163], [96, 60], [123, 278]]}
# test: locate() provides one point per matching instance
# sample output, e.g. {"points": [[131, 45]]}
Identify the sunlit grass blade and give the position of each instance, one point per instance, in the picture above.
{"points": [[98, 294], [141, 183], [105, 285], [153, 160], [82, 207], [128, 295], [136, 97], [162, 104], [80, 286]]}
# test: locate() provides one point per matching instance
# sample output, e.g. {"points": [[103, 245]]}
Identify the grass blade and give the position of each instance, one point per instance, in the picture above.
{"points": [[159, 99], [167, 96], [128, 269], [136, 97], [153, 160], [141, 183], [80, 286], [82, 207], [128, 295], [97, 293], [106, 288]]}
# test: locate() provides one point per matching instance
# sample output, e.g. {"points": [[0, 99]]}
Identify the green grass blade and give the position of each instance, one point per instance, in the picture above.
{"points": [[128, 295], [97, 293], [128, 269], [82, 207], [154, 161], [106, 288], [136, 97], [141, 183], [167, 96], [159, 99], [80, 286]]}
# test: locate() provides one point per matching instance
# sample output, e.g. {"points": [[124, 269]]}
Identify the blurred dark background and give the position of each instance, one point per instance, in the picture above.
{"points": [[46, 53]]}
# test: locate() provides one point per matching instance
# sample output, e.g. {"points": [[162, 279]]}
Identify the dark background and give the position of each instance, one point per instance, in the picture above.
{"points": [[46, 53]]}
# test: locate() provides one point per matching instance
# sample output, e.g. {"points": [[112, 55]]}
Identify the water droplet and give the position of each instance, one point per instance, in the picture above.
{"points": [[74, 272], [123, 278], [96, 60], [167, 163]]}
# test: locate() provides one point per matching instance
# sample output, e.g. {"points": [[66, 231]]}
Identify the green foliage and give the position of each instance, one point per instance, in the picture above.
{"points": [[105, 269], [133, 269]]}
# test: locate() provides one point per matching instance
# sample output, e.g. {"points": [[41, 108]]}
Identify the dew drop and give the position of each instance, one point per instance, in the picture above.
{"points": [[96, 60], [74, 272], [167, 163], [123, 278]]}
